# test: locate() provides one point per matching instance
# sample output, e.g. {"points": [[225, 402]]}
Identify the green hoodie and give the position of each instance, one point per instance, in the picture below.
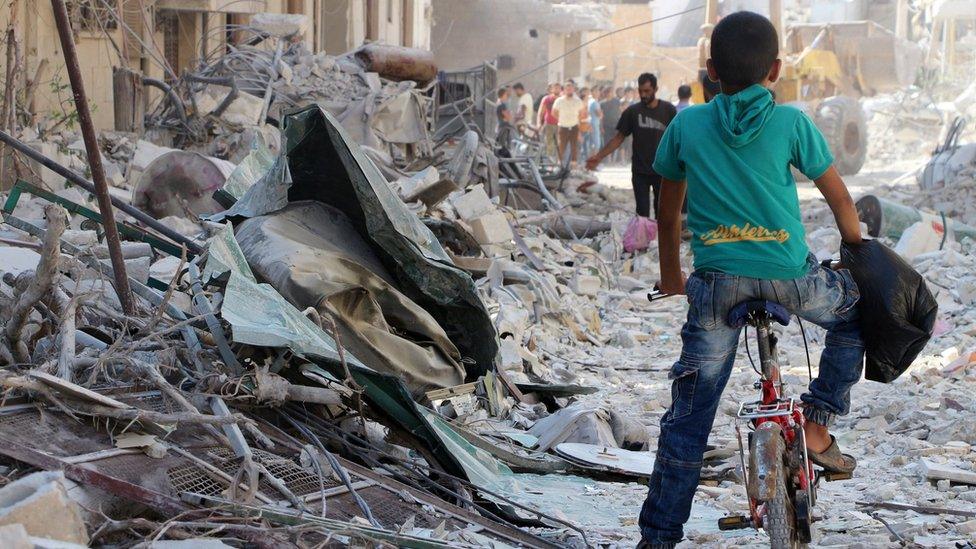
{"points": [[735, 153]]}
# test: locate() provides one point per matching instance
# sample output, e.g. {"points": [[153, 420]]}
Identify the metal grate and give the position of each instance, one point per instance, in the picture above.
{"points": [[298, 480], [52, 433], [190, 478], [387, 507]]}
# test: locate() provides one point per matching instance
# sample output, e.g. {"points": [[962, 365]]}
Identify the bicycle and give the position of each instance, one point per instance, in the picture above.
{"points": [[779, 476]]}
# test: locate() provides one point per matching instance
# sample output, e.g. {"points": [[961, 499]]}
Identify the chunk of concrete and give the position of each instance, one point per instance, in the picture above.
{"points": [[472, 204], [280, 24], [583, 284], [492, 228], [14, 536], [49, 179], [496, 251], [244, 110], [41, 504], [426, 186], [941, 471], [17, 260]]}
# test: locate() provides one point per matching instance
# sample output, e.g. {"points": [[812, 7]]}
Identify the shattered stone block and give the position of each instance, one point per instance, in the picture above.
{"points": [[427, 186], [13, 536], [473, 204], [583, 284], [497, 250], [280, 24], [48, 178], [492, 228], [40, 503]]}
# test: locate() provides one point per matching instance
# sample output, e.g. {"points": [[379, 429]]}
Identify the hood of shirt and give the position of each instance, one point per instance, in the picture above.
{"points": [[742, 116]]}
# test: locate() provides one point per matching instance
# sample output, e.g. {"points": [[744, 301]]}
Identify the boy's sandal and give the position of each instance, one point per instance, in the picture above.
{"points": [[832, 459]]}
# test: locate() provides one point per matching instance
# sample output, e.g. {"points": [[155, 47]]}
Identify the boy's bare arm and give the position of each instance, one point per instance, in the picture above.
{"points": [[834, 190], [669, 236]]}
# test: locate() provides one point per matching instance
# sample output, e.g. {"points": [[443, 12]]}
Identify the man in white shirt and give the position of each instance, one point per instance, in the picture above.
{"points": [[569, 110], [525, 113]]}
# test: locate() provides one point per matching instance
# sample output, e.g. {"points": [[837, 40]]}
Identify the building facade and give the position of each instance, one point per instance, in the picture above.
{"points": [[532, 41], [160, 38]]}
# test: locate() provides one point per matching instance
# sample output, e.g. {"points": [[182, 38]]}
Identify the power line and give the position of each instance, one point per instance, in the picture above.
{"points": [[573, 50], [601, 37]]}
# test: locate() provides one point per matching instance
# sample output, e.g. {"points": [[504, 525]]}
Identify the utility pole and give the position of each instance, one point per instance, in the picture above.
{"points": [[94, 158]]}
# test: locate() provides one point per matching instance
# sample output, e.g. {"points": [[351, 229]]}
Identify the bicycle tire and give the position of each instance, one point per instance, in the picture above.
{"points": [[779, 521]]}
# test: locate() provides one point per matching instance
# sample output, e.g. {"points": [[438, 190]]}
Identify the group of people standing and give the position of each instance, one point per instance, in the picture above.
{"points": [[624, 123], [577, 123]]}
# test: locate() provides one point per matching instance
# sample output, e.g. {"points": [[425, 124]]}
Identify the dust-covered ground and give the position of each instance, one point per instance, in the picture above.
{"points": [[927, 414]]}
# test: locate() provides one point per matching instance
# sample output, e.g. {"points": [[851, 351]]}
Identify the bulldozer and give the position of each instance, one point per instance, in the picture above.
{"points": [[827, 68]]}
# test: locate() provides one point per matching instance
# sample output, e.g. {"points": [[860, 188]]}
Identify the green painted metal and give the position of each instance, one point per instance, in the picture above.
{"points": [[130, 233], [888, 218]]}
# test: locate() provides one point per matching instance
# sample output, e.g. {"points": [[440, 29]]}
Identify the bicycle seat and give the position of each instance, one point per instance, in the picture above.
{"points": [[745, 312]]}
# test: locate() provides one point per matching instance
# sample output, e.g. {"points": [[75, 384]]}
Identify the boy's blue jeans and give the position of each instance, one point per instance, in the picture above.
{"points": [[823, 297]]}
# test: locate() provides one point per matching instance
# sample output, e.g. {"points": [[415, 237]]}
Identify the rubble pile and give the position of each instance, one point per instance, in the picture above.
{"points": [[219, 110], [902, 125], [376, 337]]}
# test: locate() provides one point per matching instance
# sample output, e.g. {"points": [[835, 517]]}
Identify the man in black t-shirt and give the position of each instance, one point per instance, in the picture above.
{"points": [[506, 128], [646, 121]]}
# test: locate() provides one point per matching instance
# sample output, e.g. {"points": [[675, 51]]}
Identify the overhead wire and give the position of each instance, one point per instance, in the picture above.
{"points": [[569, 52]]}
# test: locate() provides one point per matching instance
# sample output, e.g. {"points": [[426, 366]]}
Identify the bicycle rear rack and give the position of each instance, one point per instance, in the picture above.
{"points": [[758, 410]]}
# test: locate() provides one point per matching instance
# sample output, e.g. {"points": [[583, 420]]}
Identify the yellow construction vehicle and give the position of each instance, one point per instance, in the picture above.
{"points": [[827, 67]]}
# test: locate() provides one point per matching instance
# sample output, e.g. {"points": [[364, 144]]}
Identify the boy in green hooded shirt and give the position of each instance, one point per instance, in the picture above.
{"points": [[733, 156]]}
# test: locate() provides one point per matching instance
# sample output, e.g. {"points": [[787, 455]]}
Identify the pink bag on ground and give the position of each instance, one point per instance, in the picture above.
{"points": [[641, 231]]}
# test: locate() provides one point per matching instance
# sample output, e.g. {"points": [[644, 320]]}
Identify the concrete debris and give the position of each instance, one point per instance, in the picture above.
{"points": [[946, 473], [281, 25], [491, 228], [319, 328], [40, 503]]}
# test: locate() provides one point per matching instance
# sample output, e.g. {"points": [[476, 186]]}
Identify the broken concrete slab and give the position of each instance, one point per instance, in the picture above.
{"points": [[17, 260], [941, 471], [472, 203], [491, 228], [244, 110], [427, 186], [14, 536], [280, 25], [40, 503]]}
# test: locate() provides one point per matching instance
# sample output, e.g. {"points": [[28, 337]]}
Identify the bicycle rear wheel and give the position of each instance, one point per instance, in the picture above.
{"points": [[779, 521]]}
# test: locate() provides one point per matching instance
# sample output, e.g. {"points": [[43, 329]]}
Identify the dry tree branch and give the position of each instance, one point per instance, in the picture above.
{"points": [[11, 347]]}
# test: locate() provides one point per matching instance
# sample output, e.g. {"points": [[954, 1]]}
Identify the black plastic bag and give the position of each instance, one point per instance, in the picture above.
{"points": [[897, 309]]}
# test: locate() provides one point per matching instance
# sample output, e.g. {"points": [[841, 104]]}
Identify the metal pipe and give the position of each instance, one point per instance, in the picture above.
{"points": [[170, 93], [228, 81], [76, 179], [94, 157]]}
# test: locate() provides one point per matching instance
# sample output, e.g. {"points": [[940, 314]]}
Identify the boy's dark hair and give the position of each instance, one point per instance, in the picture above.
{"points": [[744, 48], [684, 91], [628, 89], [645, 78], [502, 92], [518, 86]]}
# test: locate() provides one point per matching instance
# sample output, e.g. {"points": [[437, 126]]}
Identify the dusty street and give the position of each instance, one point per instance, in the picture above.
{"points": [[315, 274], [925, 415]]}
